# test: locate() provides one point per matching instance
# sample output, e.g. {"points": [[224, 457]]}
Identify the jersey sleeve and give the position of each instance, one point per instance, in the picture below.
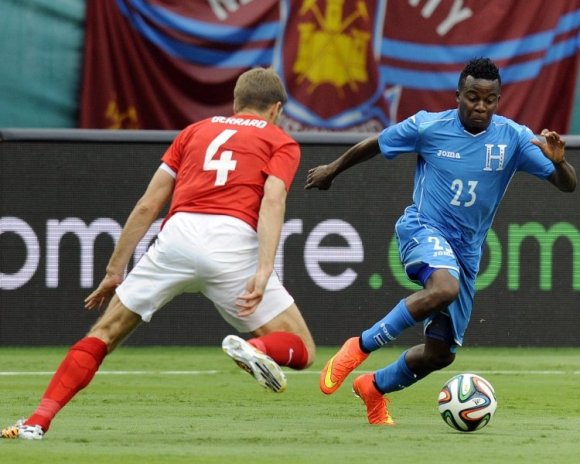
{"points": [[400, 138], [174, 154], [531, 159], [284, 163]]}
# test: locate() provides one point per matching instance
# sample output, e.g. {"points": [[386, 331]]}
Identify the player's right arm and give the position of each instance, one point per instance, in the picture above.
{"points": [[322, 176], [143, 215], [402, 137]]}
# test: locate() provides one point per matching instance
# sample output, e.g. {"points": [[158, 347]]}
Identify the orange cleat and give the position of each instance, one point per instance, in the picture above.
{"points": [[348, 358], [376, 403]]}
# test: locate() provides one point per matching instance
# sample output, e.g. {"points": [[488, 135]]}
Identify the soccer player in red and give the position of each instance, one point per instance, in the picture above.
{"points": [[227, 178]]}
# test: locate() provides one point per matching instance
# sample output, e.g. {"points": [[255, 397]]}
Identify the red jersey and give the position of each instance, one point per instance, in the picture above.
{"points": [[222, 164]]}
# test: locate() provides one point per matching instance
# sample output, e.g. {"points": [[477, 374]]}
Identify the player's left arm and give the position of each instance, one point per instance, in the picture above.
{"points": [[564, 176], [270, 221]]}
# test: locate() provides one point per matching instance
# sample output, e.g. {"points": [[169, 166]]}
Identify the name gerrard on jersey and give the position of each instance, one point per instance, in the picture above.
{"points": [[259, 123]]}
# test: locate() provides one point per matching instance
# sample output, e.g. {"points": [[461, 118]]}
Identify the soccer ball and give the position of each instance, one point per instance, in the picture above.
{"points": [[467, 402]]}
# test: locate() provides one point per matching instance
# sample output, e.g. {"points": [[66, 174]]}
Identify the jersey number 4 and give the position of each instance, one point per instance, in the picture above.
{"points": [[224, 164]]}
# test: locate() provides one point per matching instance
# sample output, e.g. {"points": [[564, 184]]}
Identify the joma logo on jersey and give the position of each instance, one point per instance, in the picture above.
{"points": [[494, 157], [448, 154]]}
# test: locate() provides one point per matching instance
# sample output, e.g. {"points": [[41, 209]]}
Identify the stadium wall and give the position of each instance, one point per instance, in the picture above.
{"points": [[65, 195]]}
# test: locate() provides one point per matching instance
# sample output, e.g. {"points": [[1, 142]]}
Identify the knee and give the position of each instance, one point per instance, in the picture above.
{"points": [[438, 360], [443, 294], [311, 351]]}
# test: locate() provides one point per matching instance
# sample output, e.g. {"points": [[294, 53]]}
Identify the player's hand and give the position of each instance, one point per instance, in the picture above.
{"points": [[553, 147], [248, 302], [102, 295], [319, 177]]}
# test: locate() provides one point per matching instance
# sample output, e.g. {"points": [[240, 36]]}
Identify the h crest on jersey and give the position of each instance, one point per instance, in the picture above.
{"points": [[494, 157]]}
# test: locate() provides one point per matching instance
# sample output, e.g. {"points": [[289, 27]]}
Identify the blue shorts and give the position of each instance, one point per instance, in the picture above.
{"points": [[421, 245]]}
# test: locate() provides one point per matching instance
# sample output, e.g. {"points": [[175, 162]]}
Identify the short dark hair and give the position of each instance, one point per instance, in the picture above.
{"points": [[480, 68]]}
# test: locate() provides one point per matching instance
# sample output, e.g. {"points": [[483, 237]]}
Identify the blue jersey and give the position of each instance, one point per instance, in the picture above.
{"points": [[461, 177]]}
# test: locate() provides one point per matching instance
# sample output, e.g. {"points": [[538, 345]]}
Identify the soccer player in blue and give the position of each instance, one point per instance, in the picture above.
{"points": [[466, 157]]}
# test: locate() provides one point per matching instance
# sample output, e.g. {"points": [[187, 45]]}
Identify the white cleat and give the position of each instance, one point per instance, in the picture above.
{"points": [[264, 369], [24, 432]]}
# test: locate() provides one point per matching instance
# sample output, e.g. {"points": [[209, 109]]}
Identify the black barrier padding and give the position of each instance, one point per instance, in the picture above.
{"points": [[43, 183]]}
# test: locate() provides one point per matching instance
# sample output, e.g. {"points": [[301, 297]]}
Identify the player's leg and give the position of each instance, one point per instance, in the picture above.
{"points": [[280, 334], [444, 332], [161, 274], [280, 338], [79, 366], [115, 325], [286, 339], [436, 353], [413, 365], [430, 261], [441, 288]]}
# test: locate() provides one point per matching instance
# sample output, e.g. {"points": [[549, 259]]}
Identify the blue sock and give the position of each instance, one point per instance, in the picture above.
{"points": [[395, 376], [388, 328]]}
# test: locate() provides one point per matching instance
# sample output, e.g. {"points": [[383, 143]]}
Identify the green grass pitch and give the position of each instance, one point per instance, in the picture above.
{"points": [[193, 405]]}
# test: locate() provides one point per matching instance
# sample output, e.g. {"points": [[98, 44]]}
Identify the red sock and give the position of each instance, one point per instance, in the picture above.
{"points": [[287, 349], [74, 373]]}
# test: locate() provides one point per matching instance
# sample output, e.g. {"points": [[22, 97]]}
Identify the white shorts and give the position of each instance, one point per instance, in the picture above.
{"points": [[202, 253]]}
